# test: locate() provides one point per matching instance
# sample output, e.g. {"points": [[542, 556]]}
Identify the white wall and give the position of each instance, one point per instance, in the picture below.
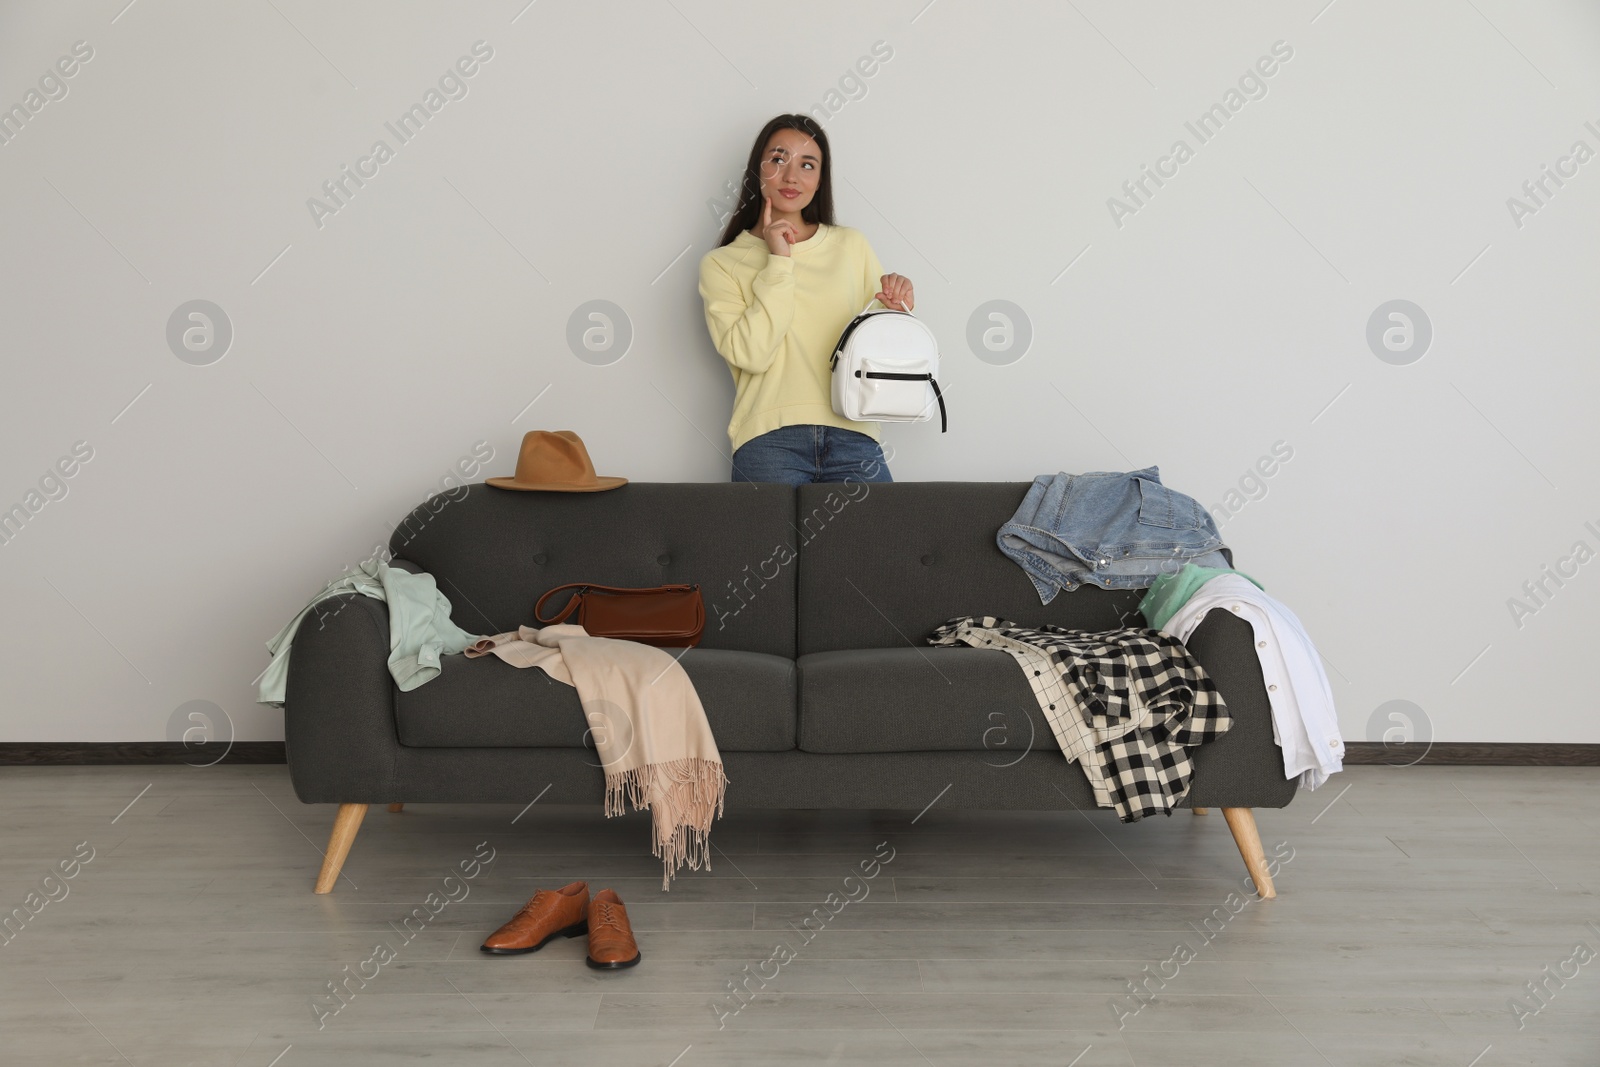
{"points": [[1223, 316]]}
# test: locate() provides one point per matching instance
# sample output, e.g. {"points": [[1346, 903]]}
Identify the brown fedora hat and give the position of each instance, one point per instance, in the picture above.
{"points": [[555, 461]]}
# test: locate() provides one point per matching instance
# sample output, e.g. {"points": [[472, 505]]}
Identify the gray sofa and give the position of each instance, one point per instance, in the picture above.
{"points": [[814, 672]]}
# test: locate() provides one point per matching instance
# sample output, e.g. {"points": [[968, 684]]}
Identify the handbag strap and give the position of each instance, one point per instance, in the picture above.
{"points": [[583, 587], [572, 602]]}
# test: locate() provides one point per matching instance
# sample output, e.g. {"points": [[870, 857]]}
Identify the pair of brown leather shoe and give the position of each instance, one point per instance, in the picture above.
{"points": [[569, 912]]}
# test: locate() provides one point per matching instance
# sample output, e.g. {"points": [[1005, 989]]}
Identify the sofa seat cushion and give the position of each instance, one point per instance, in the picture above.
{"points": [[919, 700], [749, 699]]}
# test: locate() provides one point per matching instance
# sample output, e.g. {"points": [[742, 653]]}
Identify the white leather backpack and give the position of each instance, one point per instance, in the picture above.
{"points": [[886, 369]]}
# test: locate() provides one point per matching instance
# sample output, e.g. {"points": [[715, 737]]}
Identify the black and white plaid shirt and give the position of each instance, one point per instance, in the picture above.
{"points": [[1124, 704]]}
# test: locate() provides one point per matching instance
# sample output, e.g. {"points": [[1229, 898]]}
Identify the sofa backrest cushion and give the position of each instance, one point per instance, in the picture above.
{"points": [[882, 564], [494, 551]]}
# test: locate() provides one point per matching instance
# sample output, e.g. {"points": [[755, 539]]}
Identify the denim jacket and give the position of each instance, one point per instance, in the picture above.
{"points": [[1116, 530]]}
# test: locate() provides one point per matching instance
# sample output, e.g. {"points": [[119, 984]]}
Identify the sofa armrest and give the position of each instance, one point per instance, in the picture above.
{"points": [[338, 708], [1244, 767]]}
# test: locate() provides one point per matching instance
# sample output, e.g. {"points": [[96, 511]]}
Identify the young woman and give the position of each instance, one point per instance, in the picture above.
{"points": [[780, 287]]}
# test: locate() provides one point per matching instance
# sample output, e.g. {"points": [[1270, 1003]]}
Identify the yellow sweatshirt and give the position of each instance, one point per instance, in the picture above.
{"points": [[775, 319]]}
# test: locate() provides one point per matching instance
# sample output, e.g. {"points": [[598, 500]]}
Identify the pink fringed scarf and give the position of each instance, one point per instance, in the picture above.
{"points": [[648, 726]]}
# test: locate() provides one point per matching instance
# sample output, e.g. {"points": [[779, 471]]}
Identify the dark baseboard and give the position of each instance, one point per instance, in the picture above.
{"points": [[1470, 754], [63, 753], [1356, 753]]}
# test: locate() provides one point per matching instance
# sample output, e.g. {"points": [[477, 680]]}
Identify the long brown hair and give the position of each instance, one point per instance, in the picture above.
{"points": [[748, 213]]}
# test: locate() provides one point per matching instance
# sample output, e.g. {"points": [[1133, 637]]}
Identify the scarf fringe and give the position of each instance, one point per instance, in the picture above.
{"points": [[688, 794]]}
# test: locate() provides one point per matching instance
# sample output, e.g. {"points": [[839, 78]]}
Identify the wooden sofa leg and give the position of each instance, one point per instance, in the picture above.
{"points": [[397, 806], [1242, 821], [345, 825], [1200, 811]]}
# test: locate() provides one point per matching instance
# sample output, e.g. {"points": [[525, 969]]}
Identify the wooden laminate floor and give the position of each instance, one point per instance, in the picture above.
{"points": [[1418, 903]]}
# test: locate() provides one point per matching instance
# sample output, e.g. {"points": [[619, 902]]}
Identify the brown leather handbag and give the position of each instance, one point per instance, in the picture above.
{"points": [[669, 616]]}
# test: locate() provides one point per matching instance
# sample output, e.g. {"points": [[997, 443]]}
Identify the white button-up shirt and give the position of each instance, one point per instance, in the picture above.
{"points": [[1304, 723]]}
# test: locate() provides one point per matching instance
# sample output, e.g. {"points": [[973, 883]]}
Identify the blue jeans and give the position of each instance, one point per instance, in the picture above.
{"points": [[795, 455]]}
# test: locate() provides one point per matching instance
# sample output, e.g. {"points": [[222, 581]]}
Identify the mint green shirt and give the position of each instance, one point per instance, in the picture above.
{"points": [[420, 629], [1170, 592]]}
